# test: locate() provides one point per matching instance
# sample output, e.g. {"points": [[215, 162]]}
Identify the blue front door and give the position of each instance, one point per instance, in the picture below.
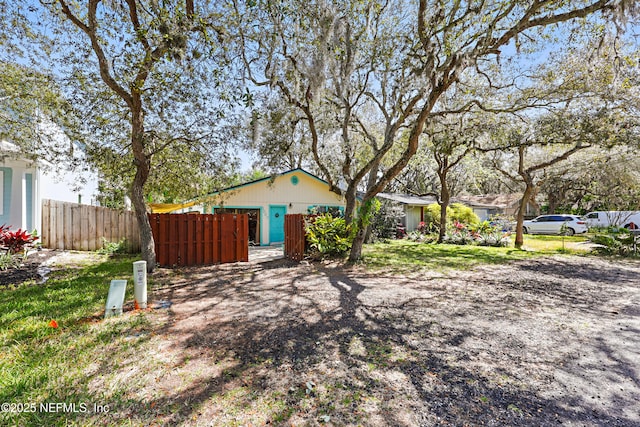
{"points": [[276, 224]]}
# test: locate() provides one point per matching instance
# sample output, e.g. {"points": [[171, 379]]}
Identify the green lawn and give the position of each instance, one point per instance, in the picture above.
{"points": [[405, 256], [40, 365]]}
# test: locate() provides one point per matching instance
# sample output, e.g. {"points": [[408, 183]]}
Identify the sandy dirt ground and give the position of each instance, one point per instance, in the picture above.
{"points": [[549, 341], [539, 342]]}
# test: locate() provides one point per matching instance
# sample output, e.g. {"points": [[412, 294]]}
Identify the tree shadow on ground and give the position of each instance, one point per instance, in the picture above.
{"points": [[324, 342]]}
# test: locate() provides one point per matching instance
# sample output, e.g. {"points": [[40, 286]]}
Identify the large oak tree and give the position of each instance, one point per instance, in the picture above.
{"points": [[371, 75]]}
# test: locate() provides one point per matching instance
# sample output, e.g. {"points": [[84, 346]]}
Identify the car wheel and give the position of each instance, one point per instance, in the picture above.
{"points": [[570, 231], [525, 230]]}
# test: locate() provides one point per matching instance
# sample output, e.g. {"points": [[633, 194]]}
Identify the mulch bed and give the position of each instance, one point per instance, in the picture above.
{"points": [[30, 270]]}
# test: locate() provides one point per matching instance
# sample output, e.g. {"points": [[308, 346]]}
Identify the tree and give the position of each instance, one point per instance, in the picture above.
{"points": [[352, 65], [594, 179], [548, 140], [144, 75], [33, 113], [279, 136]]}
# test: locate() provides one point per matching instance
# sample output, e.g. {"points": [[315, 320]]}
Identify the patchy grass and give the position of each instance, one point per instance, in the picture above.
{"points": [[43, 370], [552, 243], [405, 256]]}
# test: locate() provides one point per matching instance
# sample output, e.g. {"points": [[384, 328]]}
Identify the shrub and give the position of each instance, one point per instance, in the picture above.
{"points": [[417, 236], [496, 238], [614, 244], [483, 234], [458, 234], [463, 213], [15, 241], [8, 261], [328, 235], [432, 216], [110, 248], [384, 223], [15, 245], [455, 212]]}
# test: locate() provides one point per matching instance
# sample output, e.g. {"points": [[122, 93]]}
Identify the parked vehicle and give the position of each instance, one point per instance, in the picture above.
{"points": [[556, 224], [626, 219]]}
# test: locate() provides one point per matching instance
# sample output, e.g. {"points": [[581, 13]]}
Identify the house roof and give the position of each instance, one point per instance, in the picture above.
{"points": [[492, 200], [408, 199], [8, 146], [472, 201], [168, 207], [12, 151], [267, 178]]}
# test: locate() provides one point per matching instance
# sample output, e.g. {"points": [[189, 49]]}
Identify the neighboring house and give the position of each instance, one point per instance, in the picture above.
{"points": [[269, 199], [24, 183], [414, 207], [488, 205]]}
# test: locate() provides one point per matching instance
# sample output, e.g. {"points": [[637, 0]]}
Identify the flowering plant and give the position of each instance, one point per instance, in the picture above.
{"points": [[15, 241]]}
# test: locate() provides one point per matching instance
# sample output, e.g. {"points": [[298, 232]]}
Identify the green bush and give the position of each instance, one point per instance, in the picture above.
{"points": [[463, 213], [614, 244], [432, 216], [384, 222], [455, 212], [495, 238], [110, 248], [328, 236], [8, 260], [482, 234]]}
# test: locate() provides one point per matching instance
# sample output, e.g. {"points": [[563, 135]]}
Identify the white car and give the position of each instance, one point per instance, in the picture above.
{"points": [[553, 224]]}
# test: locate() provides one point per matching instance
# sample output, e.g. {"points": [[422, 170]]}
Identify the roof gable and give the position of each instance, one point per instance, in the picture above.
{"points": [[270, 178], [408, 199]]}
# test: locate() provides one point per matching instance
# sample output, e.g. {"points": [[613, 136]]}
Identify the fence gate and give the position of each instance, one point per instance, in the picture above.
{"points": [[200, 239], [294, 237]]}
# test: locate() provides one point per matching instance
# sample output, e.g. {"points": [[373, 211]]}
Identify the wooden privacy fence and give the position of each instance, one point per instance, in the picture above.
{"points": [[71, 226], [200, 239], [294, 236]]}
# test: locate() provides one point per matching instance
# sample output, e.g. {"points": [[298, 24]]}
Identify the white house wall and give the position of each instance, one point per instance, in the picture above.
{"points": [[412, 217], [15, 189], [283, 191], [482, 213]]}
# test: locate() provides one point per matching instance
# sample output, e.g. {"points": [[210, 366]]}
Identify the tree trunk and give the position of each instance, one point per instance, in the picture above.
{"points": [[137, 199], [373, 178], [358, 241], [143, 167], [350, 205], [528, 191], [445, 198]]}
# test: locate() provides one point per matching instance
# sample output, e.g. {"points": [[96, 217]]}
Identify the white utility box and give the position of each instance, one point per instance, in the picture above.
{"points": [[140, 283]]}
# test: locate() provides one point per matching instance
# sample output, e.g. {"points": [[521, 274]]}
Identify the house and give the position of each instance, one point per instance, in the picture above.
{"points": [[269, 199], [414, 207], [24, 183], [488, 205]]}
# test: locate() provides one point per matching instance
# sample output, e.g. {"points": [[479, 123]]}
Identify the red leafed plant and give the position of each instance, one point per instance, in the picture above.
{"points": [[15, 241]]}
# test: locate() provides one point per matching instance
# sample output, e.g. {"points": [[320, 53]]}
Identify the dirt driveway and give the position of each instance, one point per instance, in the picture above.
{"points": [[539, 342]]}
